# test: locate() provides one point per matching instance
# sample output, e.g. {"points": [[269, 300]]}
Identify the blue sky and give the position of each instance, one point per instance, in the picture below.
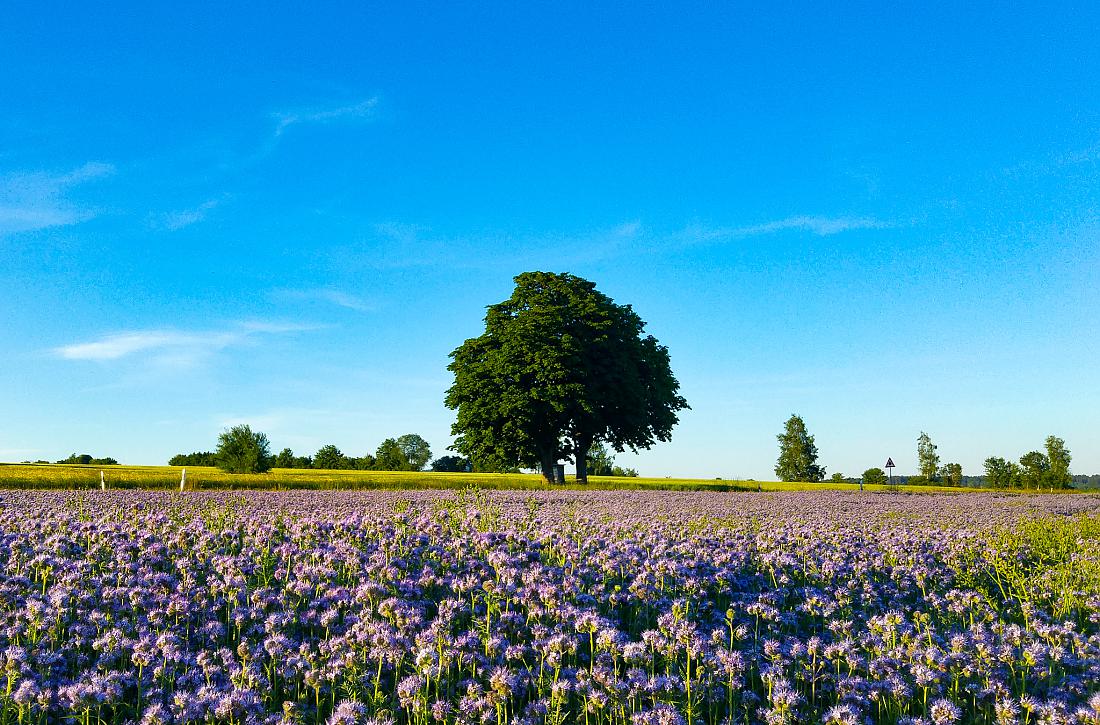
{"points": [[882, 218]]}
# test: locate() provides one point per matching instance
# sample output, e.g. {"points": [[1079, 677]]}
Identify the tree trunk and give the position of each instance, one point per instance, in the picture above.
{"points": [[582, 446], [547, 463]]}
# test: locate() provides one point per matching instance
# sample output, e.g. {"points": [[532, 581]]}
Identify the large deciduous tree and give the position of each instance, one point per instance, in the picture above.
{"points": [[797, 454], [927, 459], [242, 450], [560, 368], [874, 476], [1000, 473], [330, 458], [1035, 469], [1058, 457], [416, 450]]}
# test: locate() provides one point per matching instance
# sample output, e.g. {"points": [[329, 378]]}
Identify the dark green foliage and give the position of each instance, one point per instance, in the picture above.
{"points": [[330, 458], [365, 462], [1082, 480], [874, 476], [927, 458], [199, 458], [287, 459], [409, 452], [560, 367], [416, 451], [953, 474], [1034, 467], [624, 472], [86, 459], [797, 454], [451, 464], [1000, 473], [1058, 458], [242, 450], [483, 466]]}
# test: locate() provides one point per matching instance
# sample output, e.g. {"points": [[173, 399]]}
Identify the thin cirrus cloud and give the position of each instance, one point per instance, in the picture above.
{"points": [[175, 220], [30, 201], [362, 110], [173, 345], [324, 294], [821, 226]]}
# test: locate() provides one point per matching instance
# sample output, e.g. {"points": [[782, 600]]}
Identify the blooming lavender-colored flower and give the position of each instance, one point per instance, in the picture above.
{"points": [[841, 715], [278, 607], [944, 712], [348, 712]]}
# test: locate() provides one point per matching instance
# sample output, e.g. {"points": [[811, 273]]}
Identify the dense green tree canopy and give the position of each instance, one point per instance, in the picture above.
{"points": [[330, 458], [242, 450], [1034, 469], [560, 367], [1000, 473], [285, 459], [198, 458], [1058, 458], [953, 474], [874, 476], [451, 464], [86, 459], [797, 454], [927, 458], [415, 450], [390, 457]]}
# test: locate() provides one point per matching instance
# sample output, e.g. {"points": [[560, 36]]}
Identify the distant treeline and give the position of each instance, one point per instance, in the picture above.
{"points": [[1037, 470], [86, 459], [408, 452], [203, 458], [1078, 481]]}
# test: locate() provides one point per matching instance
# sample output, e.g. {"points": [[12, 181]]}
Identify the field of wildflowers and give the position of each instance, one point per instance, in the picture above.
{"points": [[533, 607]]}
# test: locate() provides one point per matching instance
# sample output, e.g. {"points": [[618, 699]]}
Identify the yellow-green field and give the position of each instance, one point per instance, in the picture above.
{"points": [[76, 476]]}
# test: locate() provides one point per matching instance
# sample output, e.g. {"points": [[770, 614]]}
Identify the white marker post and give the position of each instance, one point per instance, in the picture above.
{"points": [[183, 479], [102, 482]]}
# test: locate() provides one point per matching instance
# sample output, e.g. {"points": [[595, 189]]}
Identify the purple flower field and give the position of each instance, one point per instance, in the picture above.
{"points": [[647, 608]]}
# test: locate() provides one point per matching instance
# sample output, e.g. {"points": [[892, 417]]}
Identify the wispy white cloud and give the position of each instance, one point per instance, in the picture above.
{"points": [[35, 200], [175, 220], [362, 110], [821, 226], [176, 348], [278, 328], [393, 245], [124, 344], [397, 245], [325, 294]]}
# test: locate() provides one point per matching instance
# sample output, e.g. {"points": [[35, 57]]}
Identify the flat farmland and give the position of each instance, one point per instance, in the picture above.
{"points": [[548, 607], [65, 476]]}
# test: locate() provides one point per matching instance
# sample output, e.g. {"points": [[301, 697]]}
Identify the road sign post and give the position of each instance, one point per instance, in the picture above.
{"points": [[890, 470]]}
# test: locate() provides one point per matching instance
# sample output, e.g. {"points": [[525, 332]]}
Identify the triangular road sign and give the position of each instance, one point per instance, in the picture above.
{"points": [[889, 462]]}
